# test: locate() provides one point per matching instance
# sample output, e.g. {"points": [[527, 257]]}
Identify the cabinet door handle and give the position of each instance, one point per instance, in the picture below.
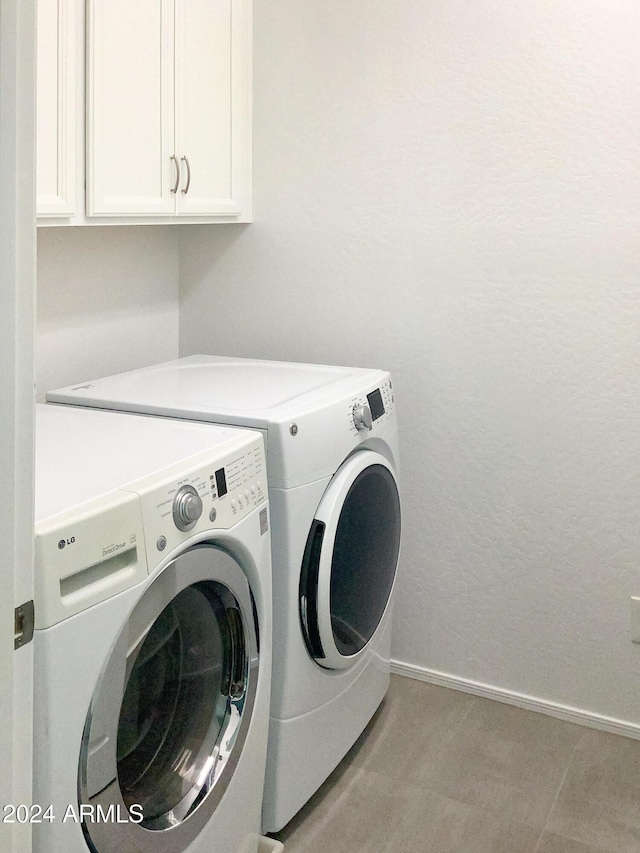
{"points": [[177, 184], [186, 189]]}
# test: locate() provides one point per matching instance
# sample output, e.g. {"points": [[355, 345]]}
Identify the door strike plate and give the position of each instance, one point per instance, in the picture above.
{"points": [[24, 619]]}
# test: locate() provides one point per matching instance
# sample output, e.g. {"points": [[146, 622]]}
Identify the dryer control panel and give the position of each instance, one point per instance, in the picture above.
{"points": [[208, 495], [368, 408]]}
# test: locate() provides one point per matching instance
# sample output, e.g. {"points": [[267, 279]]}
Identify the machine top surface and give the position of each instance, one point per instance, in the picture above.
{"points": [[82, 454], [228, 390]]}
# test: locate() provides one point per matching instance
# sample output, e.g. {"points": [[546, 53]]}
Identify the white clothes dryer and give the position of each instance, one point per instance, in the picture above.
{"points": [[152, 641], [332, 458]]}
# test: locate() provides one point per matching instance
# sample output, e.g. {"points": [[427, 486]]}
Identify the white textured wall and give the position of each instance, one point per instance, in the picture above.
{"points": [[107, 301], [451, 190]]}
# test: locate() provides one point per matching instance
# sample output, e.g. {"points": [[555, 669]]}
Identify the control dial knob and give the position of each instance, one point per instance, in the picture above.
{"points": [[362, 416], [187, 508]]}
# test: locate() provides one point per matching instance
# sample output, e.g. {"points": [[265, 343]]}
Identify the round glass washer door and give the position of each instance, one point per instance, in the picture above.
{"points": [[350, 560], [172, 707]]}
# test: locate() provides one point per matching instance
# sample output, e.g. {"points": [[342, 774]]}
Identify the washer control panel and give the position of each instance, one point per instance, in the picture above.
{"points": [[371, 407], [208, 495]]}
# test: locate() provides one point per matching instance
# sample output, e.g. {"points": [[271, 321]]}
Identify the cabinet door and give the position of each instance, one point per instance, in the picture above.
{"points": [[130, 127], [56, 108], [212, 102]]}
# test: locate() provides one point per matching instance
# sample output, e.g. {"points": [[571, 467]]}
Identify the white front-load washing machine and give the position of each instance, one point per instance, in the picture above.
{"points": [[152, 642], [332, 457]]}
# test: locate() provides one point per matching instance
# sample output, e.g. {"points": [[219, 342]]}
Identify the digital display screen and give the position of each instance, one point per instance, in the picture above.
{"points": [[375, 404], [221, 482]]}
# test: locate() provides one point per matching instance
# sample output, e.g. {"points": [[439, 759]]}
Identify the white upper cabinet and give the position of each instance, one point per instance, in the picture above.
{"points": [[130, 121], [204, 103], [144, 111], [168, 109], [56, 108]]}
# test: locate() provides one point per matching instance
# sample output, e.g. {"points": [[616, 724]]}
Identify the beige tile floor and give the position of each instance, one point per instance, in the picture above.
{"points": [[437, 771]]}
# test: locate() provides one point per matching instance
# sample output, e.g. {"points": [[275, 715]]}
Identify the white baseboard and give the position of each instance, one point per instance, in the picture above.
{"points": [[520, 700]]}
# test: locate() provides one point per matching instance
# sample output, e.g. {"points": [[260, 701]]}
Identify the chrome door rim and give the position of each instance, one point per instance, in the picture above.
{"points": [[175, 830]]}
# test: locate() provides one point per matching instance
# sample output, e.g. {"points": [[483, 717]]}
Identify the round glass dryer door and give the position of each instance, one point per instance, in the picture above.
{"points": [[350, 560], [172, 707]]}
